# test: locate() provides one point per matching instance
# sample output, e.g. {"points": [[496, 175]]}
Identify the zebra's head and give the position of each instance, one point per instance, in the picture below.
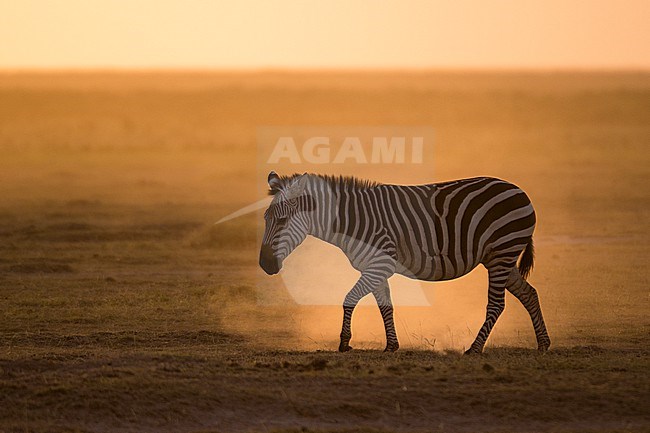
{"points": [[288, 220]]}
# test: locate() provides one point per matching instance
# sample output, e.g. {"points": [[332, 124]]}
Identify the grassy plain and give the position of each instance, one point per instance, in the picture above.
{"points": [[124, 308]]}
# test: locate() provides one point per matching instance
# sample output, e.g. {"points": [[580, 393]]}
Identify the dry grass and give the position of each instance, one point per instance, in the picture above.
{"points": [[125, 309]]}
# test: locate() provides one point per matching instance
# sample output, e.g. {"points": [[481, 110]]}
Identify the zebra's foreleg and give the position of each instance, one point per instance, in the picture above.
{"points": [[382, 296], [363, 286], [496, 304], [527, 295]]}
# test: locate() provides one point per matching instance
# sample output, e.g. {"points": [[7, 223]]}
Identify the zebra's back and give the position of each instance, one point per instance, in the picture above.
{"points": [[444, 230]]}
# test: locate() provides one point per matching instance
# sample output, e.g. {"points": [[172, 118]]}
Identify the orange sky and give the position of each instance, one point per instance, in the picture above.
{"points": [[324, 34]]}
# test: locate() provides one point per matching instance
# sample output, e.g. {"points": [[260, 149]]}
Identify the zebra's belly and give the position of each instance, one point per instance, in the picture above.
{"points": [[435, 268]]}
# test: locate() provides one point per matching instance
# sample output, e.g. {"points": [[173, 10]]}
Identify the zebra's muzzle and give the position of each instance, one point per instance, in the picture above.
{"points": [[268, 261]]}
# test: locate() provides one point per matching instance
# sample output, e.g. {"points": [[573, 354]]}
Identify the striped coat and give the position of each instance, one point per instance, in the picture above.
{"points": [[429, 232]]}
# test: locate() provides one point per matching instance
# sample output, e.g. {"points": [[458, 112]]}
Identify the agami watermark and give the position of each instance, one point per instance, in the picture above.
{"points": [[324, 150]]}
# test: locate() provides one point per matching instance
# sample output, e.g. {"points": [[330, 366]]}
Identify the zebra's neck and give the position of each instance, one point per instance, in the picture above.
{"points": [[325, 215], [332, 197]]}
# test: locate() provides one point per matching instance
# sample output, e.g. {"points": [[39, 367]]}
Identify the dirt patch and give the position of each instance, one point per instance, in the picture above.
{"points": [[119, 339], [41, 267], [240, 389]]}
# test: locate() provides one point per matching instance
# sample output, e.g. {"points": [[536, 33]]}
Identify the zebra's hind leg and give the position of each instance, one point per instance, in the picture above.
{"points": [[498, 275], [382, 296], [527, 295]]}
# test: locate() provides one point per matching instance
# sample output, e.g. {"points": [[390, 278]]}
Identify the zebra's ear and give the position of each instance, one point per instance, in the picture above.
{"points": [[274, 181]]}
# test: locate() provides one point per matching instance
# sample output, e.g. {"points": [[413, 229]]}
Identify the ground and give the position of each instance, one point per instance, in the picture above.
{"points": [[124, 308]]}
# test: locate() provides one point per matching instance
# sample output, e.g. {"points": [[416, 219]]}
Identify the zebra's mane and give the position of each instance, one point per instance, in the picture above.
{"points": [[348, 182], [345, 183]]}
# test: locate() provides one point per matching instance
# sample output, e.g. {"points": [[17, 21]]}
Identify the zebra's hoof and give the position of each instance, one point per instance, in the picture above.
{"points": [[472, 352], [543, 348], [344, 347], [543, 344], [391, 346]]}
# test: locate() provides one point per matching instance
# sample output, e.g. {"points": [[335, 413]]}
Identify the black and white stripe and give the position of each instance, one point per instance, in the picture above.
{"points": [[429, 232]]}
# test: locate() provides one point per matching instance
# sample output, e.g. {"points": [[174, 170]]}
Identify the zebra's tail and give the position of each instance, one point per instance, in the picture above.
{"points": [[527, 259]]}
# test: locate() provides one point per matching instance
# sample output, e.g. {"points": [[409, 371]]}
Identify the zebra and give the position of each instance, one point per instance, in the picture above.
{"points": [[431, 232]]}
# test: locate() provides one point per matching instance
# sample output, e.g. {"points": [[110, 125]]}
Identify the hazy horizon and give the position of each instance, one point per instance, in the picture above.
{"points": [[352, 70]]}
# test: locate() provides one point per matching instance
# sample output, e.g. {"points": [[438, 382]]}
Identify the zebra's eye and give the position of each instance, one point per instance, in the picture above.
{"points": [[282, 220]]}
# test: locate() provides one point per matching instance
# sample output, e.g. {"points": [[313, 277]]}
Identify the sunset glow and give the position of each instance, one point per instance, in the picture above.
{"points": [[289, 34]]}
